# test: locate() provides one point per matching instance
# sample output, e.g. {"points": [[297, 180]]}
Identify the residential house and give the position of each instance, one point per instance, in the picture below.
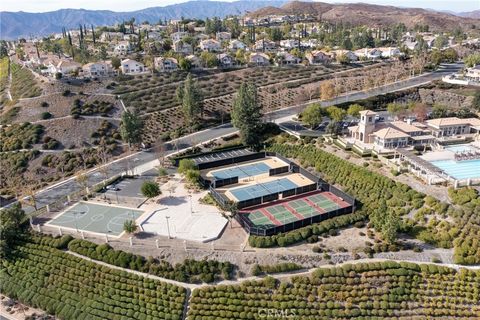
{"points": [[107, 36], [429, 39], [390, 52], [65, 67], [122, 48], [97, 69], [289, 44], [372, 54], [130, 66], [453, 126], [195, 62], [176, 36], [318, 56], [154, 35], [259, 59], [351, 57], [285, 58], [182, 47], [130, 37], [225, 60], [210, 45], [236, 44], [223, 36], [411, 45], [310, 43], [165, 64], [265, 45]]}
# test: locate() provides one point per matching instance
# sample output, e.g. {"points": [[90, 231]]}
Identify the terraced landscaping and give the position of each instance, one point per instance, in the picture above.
{"points": [[42, 276], [279, 87], [3, 81], [383, 290], [23, 83]]}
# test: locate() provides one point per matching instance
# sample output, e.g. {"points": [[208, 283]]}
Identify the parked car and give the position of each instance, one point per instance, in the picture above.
{"points": [[113, 187]]}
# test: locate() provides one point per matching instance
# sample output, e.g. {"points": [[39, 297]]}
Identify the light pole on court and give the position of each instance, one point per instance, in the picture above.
{"points": [[191, 205], [168, 227]]}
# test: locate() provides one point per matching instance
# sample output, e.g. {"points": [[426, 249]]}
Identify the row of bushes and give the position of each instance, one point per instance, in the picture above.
{"points": [[73, 288], [381, 290], [20, 136], [309, 233], [258, 269], [191, 271]]}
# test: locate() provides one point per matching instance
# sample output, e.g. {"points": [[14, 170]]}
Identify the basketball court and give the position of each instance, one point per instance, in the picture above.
{"points": [[95, 218]]}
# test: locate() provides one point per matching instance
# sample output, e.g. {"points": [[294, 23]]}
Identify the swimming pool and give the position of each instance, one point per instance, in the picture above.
{"points": [[461, 148], [459, 169]]}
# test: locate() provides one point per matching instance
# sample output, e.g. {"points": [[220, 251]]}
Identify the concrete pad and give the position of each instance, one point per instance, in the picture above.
{"points": [[188, 219]]}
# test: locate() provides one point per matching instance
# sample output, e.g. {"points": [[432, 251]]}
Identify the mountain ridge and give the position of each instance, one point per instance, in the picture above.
{"points": [[373, 15], [20, 24]]}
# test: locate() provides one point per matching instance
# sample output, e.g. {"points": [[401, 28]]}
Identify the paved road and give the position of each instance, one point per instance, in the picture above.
{"points": [[144, 160]]}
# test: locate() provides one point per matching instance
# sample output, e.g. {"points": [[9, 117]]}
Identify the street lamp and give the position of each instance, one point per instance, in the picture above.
{"points": [[191, 204], [168, 227]]}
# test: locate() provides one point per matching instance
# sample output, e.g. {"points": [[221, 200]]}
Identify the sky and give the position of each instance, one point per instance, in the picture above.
{"points": [[129, 5]]}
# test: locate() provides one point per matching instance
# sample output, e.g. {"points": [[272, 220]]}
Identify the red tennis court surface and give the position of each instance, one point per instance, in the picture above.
{"points": [[292, 209]]}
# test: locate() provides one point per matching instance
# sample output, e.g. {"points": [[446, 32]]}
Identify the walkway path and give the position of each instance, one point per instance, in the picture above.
{"points": [[278, 276]]}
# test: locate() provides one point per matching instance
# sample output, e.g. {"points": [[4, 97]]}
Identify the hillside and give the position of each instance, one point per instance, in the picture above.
{"points": [[372, 15], [472, 14], [24, 24]]}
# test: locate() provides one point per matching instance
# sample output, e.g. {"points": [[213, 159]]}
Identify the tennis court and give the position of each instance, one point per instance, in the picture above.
{"points": [[263, 189], [95, 218], [244, 171], [288, 211]]}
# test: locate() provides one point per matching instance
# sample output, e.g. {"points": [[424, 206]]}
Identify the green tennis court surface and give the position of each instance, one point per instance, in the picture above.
{"points": [[293, 210], [96, 218]]}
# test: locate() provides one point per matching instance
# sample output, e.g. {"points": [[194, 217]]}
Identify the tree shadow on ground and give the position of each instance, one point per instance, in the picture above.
{"points": [[172, 201]]}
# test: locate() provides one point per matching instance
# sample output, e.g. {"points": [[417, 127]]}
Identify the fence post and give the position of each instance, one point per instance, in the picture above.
{"points": [[83, 235], [156, 243], [131, 241], [38, 228], [106, 238], [48, 208], [185, 245], [69, 199], [60, 231]]}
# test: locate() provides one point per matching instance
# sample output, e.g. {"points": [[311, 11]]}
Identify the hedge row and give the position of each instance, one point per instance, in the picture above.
{"points": [[73, 288], [192, 271], [383, 290], [309, 233]]}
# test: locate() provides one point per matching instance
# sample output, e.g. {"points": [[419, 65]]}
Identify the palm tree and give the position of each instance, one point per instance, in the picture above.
{"points": [[233, 209], [130, 226]]}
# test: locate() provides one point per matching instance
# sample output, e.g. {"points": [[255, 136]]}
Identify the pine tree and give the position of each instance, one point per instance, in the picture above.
{"points": [[247, 114], [131, 128], [93, 35], [190, 97]]}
